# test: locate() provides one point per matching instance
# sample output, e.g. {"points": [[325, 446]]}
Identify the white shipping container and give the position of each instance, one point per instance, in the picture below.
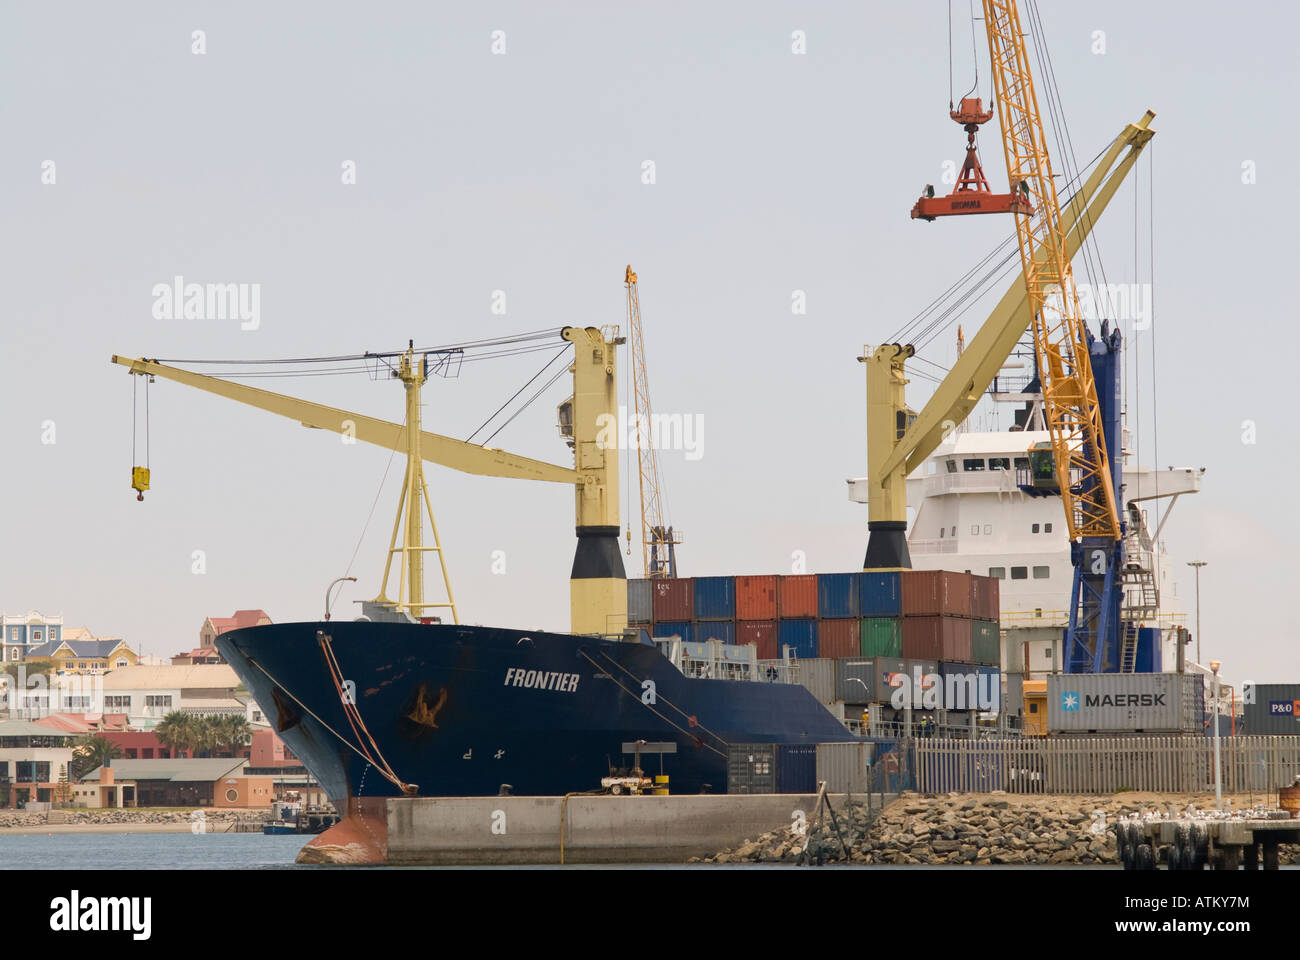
{"points": [[846, 767], [1124, 702]]}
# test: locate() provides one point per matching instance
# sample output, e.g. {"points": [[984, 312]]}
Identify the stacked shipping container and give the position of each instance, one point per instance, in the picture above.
{"points": [[912, 616]]}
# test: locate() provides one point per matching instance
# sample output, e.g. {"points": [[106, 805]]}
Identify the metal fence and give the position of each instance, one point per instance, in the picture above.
{"points": [[1104, 765]]}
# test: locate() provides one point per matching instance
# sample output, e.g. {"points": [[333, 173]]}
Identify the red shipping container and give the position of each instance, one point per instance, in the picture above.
{"points": [[797, 597], [937, 638], [935, 593], [761, 633], [994, 608], [756, 598], [985, 603], [839, 639], [672, 600]]}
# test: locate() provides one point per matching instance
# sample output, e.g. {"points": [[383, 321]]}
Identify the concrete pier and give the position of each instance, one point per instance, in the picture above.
{"points": [[447, 831]]}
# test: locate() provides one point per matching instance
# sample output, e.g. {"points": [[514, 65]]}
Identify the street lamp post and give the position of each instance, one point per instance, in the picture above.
{"points": [[1214, 718], [1198, 564]]}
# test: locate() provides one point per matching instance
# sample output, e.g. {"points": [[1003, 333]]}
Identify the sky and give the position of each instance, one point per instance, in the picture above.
{"points": [[381, 172]]}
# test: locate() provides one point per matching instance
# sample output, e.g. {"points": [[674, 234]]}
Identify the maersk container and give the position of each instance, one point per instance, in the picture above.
{"points": [[1271, 709], [796, 596], [881, 637], [818, 676], [640, 608], [801, 635], [846, 767], [762, 634], [837, 596], [724, 630], [839, 638], [675, 628], [715, 598], [937, 638], [672, 600], [1125, 703], [935, 593], [880, 594], [986, 642], [756, 598]]}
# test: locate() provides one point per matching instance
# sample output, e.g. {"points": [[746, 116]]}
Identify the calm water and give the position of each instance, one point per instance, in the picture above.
{"points": [[253, 851]]}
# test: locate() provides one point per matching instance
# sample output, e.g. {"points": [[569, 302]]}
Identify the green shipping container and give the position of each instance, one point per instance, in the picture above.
{"points": [[985, 642], [882, 637]]}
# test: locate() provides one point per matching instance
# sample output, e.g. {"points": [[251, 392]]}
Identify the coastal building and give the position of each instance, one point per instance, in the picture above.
{"points": [[213, 627], [220, 782], [147, 694], [18, 634], [82, 655], [34, 762]]}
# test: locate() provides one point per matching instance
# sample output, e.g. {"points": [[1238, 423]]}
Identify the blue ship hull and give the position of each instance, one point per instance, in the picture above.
{"points": [[460, 711]]}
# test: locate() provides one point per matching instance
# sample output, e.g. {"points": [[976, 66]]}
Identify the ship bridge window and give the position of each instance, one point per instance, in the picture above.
{"points": [[973, 464], [1022, 463], [951, 465], [999, 463], [942, 531], [1042, 573], [1047, 528], [954, 532], [974, 529], [998, 573], [1019, 573], [1034, 528]]}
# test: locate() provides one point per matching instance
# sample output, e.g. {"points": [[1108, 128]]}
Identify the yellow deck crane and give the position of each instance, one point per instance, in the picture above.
{"points": [[598, 588], [658, 540]]}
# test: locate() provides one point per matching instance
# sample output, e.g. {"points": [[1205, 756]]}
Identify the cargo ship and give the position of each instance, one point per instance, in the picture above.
{"points": [[450, 710]]}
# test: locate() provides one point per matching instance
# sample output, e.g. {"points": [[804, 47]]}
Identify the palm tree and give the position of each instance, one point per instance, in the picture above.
{"points": [[176, 731], [233, 731], [91, 751]]}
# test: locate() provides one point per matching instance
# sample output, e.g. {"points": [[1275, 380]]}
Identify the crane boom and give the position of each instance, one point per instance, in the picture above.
{"points": [[1070, 402], [658, 540]]}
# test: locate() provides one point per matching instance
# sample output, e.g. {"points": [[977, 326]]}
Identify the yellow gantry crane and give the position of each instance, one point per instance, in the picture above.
{"points": [[1070, 403], [658, 540], [598, 589]]}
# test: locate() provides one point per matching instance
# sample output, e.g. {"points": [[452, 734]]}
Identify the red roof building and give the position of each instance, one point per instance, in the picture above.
{"points": [[214, 627]]}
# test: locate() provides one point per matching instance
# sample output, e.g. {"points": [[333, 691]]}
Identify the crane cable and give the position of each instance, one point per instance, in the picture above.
{"points": [[135, 404]]}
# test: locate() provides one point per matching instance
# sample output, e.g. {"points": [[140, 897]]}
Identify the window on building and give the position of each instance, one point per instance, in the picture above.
{"points": [[1034, 528], [998, 573], [954, 532], [120, 662], [1022, 463], [975, 529], [999, 463], [1042, 573], [942, 531], [1047, 528], [951, 465], [1033, 708], [117, 702], [1019, 573], [158, 700], [36, 636], [973, 464], [988, 529], [13, 654]]}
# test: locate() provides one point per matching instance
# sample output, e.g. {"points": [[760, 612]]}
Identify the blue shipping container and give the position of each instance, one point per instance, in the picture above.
{"points": [[1149, 656], [837, 595], [715, 598], [724, 630], [796, 768], [799, 634], [880, 594], [674, 628], [988, 686]]}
